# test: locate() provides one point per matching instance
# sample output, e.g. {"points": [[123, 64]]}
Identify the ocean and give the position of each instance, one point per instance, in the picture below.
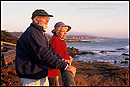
{"points": [[105, 50]]}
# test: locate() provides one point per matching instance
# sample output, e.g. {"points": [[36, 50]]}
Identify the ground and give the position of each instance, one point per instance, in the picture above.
{"points": [[87, 74]]}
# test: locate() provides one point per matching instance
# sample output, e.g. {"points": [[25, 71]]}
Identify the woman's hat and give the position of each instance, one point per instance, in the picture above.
{"points": [[60, 24]]}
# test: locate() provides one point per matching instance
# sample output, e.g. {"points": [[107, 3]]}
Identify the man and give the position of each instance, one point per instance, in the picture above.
{"points": [[34, 55]]}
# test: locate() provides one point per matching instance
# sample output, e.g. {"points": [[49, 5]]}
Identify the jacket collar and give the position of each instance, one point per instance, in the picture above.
{"points": [[38, 27], [58, 36]]}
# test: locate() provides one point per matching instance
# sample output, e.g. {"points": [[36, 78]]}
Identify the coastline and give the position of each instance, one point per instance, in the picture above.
{"points": [[87, 74], [115, 51], [100, 74]]}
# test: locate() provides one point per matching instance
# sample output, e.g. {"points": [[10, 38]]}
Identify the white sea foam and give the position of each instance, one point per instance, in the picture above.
{"points": [[127, 47]]}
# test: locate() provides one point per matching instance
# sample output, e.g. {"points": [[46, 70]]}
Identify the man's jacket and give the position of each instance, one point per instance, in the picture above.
{"points": [[34, 54]]}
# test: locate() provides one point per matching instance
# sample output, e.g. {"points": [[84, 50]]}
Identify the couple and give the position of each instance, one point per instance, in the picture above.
{"points": [[36, 59]]}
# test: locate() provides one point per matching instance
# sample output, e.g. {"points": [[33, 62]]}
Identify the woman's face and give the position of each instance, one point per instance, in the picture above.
{"points": [[63, 32]]}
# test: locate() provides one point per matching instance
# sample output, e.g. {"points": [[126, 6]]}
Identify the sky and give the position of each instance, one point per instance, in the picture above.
{"points": [[99, 18]]}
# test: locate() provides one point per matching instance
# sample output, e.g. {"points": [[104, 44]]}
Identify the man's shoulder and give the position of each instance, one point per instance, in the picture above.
{"points": [[32, 30]]}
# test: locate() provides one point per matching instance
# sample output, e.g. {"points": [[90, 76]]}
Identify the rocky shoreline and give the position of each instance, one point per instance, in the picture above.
{"points": [[100, 74], [88, 73], [73, 51]]}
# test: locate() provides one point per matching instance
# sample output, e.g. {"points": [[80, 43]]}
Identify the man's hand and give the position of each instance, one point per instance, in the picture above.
{"points": [[71, 69], [69, 61]]}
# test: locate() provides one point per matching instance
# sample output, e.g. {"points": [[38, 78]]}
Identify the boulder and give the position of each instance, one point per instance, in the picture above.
{"points": [[125, 54], [127, 59], [103, 51], [124, 62], [72, 51], [87, 53], [120, 49]]}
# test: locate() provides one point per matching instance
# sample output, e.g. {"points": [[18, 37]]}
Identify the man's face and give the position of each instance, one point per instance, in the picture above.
{"points": [[43, 21]]}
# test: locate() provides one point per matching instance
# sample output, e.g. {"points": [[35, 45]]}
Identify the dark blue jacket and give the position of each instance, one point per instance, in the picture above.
{"points": [[34, 54]]}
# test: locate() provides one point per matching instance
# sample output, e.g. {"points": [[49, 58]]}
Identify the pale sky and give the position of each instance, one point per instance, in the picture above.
{"points": [[101, 18]]}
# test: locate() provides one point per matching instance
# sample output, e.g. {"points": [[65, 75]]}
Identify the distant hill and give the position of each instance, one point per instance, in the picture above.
{"points": [[69, 36], [18, 34], [8, 37], [85, 37]]}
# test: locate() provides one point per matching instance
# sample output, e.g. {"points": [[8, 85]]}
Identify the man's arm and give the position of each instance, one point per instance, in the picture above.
{"points": [[44, 53]]}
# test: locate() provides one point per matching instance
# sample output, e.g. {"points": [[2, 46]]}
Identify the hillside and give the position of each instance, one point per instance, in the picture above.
{"points": [[18, 34], [85, 37], [8, 37]]}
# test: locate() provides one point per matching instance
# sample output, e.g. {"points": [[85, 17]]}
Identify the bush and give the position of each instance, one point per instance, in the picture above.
{"points": [[8, 37]]}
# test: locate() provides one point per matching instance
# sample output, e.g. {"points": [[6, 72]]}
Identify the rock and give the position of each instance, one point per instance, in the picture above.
{"points": [[10, 78], [124, 62], [80, 61], [87, 53], [87, 74], [120, 49], [80, 80], [100, 74], [111, 51], [72, 51], [94, 80], [103, 52], [125, 54], [106, 51], [91, 53], [115, 61], [90, 62], [127, 59], [84, 53]]}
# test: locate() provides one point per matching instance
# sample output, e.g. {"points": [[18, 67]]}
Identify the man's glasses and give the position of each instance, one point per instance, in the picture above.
{"points": [[46, 18]]}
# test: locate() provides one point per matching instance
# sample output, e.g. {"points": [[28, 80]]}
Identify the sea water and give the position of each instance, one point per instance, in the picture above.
{"points": [[113, 50]]}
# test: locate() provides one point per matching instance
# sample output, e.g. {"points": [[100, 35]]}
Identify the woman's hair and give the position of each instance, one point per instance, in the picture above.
{"points": [[58, 29]]}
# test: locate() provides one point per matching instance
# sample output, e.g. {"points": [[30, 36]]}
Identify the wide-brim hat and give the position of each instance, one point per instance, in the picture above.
{"points": [[60, 24], [40, 12]]}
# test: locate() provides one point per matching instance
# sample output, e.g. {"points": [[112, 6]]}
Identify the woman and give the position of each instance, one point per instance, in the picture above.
{"points": [[58, 43]]}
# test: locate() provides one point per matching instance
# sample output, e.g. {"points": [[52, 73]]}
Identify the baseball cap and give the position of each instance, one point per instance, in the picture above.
{"points": [[40, 12]]}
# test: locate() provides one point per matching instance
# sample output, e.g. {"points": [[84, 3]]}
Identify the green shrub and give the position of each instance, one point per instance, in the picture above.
{"points": [[8, 37]]}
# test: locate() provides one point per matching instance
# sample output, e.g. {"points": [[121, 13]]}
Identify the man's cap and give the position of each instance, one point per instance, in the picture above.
{"points": [[40, 12], [60, 24]]}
